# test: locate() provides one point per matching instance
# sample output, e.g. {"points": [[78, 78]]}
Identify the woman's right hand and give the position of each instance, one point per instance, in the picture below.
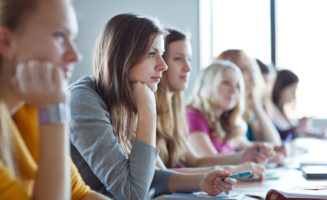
{"points": [[212, 184], [145, 99], [40, 84]]}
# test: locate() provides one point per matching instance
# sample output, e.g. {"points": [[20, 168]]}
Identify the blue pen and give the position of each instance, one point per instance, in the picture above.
{"points": [[287, 138], [244, 174]]}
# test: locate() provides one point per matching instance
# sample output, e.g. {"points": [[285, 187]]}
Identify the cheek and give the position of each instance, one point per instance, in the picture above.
{"points": [[222, 90], [48, 52]]}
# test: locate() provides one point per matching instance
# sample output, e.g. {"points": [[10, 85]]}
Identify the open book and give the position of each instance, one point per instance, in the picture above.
{"points": [[301, 193]]}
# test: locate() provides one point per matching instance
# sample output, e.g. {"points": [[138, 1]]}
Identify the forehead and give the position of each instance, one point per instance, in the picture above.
{"points": [[53, 13], [158, 43], [229, 73], [180, 46]]}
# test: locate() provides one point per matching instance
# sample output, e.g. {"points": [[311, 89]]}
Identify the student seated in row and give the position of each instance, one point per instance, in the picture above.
{"points": [[283, 93], [37, 50], [172, 128], [113, 128]]}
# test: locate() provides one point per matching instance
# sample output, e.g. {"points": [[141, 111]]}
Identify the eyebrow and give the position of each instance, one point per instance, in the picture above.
{"points": [[156, 50]]}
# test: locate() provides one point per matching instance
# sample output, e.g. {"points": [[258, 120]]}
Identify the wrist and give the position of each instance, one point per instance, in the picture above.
{"points": [[53, 114]]}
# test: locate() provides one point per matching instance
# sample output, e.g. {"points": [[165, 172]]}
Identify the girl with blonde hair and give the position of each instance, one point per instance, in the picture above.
{"points": [[171, 123], [36, 54]]}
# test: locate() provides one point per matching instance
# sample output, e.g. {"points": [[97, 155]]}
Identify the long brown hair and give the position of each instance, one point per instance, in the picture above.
{"points": [[171, 123], [123, 43], [204, 97]]}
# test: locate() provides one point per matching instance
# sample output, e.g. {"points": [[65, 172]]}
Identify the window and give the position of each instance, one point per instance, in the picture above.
{"points": [[243, 25], [301, 47]]}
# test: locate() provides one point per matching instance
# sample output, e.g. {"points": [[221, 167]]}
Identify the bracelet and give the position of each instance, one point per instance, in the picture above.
{"points": [[54, 114]]}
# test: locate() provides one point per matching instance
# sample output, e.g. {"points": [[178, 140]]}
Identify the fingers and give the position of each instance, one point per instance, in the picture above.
{"points": [[224, 186], [262, 152], [280, 149], [40, 83], [221, 173]]}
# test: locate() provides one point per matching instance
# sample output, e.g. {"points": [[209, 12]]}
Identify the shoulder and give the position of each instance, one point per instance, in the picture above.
{"points": [[85, 85], [193, 113], [83, 92]]}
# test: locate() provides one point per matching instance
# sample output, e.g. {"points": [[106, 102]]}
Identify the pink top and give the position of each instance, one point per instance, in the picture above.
{"points": [[197, 122]]}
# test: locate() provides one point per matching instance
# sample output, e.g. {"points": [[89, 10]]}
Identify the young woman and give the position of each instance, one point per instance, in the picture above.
{"points": [[36, 51], [171, 123], [114, 116], [260, 127], [284, 91]]}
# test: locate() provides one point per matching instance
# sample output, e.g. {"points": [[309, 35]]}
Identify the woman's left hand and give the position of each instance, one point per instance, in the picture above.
{"points": [[212, 184], [258, 152]]}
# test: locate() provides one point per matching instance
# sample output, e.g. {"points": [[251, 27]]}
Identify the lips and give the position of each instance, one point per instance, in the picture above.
{"points": [[156, 78]]}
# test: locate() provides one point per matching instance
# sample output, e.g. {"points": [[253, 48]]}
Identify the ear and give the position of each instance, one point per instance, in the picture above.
{"points": [[5, 42]]}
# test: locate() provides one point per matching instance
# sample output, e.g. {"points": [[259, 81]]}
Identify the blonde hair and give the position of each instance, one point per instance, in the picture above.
{"points": [[205, 96], [6, 143], [12, 15], [171, 124]]}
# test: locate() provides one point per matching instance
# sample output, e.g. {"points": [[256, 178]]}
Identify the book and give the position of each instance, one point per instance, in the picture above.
{"points": [[300, 193], [201, 195]]}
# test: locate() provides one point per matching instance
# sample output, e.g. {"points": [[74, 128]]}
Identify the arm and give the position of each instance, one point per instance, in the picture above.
{"points": [[201, 144], [42, 85], [95, 196], [92, 135], [53, 157], [208, 182], [264, 129]]}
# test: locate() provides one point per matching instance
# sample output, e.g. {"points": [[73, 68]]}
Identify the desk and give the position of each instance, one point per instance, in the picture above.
{"points": [[306, 150]]}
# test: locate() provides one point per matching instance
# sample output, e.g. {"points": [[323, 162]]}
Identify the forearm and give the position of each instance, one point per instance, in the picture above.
{"points": [[269, 132], [146, 129], [219, 159], [53, 176], [198, 170], [95, 196], [184, 183]]}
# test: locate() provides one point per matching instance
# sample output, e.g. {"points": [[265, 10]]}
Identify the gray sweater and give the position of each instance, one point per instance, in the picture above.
{"points": [[97, 153]]}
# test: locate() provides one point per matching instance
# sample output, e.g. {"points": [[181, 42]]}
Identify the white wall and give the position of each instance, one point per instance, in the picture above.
{"points": [[93, 14]]}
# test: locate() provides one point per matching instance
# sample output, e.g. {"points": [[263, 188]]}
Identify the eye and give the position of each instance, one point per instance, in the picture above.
{"points": [[189, 59], [59, 35], [177, 58], [152, 54]]}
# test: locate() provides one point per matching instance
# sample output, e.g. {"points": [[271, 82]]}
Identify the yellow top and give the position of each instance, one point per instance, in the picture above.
{"points": [[25, 140]]}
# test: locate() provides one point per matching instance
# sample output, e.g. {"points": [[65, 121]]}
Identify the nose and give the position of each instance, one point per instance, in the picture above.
{"points": [[161, 64], [187, 66], [233, 90], [72, 53]]}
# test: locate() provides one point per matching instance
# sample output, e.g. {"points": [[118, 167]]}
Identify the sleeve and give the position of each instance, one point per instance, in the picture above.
{"points": [[196, 121], [92, 135], [79, 189], [10, 188], [159, 184]]}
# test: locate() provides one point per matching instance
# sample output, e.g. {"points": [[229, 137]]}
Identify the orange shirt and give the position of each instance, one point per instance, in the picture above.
{"points": [[25, 136]]}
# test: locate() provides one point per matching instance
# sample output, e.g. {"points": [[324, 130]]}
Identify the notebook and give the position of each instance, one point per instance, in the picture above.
{"points": [[201, 195], [300, 193]]}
